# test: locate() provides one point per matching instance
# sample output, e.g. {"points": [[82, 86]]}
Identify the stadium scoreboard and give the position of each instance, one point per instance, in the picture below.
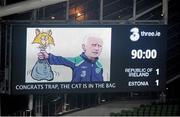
{"points": [[133, 58]]}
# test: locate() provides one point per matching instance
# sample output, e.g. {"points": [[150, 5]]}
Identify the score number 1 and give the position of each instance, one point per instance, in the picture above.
{"points": [[157, 81], [157, 71]]}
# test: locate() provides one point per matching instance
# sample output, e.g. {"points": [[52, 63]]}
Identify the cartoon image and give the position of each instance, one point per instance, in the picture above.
{"points": [[42, 70], [80, 55]]}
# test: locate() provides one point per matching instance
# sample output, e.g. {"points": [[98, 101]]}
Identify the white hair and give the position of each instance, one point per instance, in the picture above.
{"points": [[87, 37]]}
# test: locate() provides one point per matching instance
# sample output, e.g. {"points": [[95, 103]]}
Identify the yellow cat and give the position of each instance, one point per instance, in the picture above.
{"points": [[43, 38]]}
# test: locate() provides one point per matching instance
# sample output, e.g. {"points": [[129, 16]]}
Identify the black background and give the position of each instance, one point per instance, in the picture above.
{"points": [[120, 57]]}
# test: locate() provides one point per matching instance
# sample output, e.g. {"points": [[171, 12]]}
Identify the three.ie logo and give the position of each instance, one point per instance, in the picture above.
{"points": [[135, 36]]}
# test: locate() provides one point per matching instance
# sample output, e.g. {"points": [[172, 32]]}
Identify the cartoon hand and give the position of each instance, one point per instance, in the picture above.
{"points": [[43, 55]]}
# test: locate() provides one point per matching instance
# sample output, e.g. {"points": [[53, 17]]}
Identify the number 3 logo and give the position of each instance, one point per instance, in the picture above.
{"points": [[135, 34]]}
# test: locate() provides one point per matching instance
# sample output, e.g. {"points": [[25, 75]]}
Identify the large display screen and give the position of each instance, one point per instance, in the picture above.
{"points": [[88, 58]]}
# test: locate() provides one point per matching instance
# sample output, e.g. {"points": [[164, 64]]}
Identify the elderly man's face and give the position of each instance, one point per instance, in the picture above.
{"points": [[93, 47]]}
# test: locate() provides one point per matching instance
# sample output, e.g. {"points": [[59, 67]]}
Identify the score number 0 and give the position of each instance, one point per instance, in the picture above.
{"points": [[147, 54]]}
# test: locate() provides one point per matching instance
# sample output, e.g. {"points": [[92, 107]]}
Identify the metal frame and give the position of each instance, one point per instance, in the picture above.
{"points": [[38, 105], [67, 10], [134, 10], [165, 11], [101, 11], [101, 20], [0, 105], [133, 20], [26, 6]]}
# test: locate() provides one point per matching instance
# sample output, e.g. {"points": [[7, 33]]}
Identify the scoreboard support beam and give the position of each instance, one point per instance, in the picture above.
{"points": [[134, 10], [0, 105], [67, 10], [165, 11], [101, 11], [39, 105]]}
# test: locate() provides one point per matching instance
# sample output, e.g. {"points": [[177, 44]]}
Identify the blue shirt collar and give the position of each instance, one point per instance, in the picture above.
{"points": [[87, 59]]}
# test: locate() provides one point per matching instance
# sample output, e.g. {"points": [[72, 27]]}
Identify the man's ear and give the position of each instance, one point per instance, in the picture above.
{"points": [[83, 47]]}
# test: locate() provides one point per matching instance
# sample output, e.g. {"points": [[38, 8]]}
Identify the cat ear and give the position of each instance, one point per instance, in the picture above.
{"points": [[49, 32], [37, 31]]}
